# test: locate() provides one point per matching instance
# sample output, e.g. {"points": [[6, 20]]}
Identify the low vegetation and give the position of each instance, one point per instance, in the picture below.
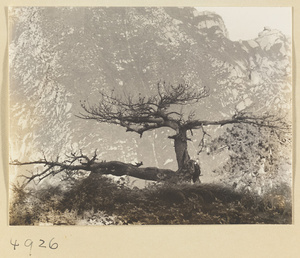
{"points": [[98, 200]]}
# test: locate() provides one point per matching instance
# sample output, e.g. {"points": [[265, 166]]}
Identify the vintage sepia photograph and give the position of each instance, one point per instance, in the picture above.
{"points": [[150, 115]]}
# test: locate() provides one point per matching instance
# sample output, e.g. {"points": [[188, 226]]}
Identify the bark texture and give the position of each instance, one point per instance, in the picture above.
{"points": [[115, 168]]}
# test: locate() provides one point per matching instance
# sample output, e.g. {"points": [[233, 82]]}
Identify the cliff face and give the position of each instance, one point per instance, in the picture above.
{"points": [[59, 56]]}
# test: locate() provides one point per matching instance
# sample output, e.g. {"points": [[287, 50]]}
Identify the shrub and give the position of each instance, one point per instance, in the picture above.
{"points": [[98, 201]]}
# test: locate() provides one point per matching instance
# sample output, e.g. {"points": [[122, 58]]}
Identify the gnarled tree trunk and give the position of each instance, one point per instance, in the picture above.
{"points": [[180, 145], [188, 169]]}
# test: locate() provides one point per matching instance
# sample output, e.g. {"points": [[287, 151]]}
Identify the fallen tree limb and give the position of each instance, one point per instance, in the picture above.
{"points": [[118, 168], [115, 168]]}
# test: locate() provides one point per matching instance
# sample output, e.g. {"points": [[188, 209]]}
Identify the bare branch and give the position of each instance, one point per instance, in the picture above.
{"points": [[265, 120], [202, 141], [140, 114], [52, 168]]}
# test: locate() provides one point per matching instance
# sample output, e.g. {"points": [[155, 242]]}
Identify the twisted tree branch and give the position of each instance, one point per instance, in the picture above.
{"points": [[115, 168]]}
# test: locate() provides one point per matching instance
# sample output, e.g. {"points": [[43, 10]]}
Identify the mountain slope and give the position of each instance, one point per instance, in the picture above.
{"points": [[61, 56]]}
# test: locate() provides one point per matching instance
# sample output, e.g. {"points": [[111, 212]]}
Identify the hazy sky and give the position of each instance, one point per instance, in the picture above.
{"points": [[246, 22]]}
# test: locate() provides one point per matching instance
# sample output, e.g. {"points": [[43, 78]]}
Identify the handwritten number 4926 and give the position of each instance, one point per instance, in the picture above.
{"points": [[29, 243]]}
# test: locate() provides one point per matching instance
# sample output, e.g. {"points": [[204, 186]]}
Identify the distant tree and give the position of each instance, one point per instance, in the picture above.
{"points": [[258, 156], [140, 114]]}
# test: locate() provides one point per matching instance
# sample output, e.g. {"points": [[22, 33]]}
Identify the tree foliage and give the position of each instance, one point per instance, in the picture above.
{"points": [[259, 157]]}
